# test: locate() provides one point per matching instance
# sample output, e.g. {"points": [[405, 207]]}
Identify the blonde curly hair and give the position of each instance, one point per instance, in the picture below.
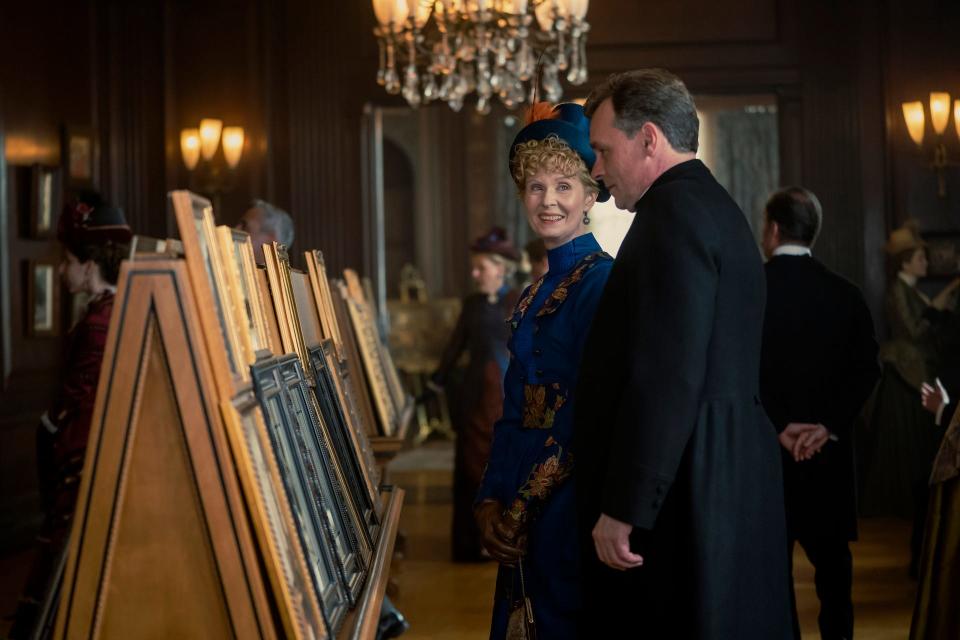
{"points": [[550, 154]]}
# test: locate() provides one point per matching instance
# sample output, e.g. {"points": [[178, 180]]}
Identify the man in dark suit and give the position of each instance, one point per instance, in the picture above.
{"points": [[818, 366], [678, 468]]}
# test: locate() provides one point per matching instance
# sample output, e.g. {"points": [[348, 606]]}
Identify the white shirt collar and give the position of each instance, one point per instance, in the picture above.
{"points": [[792, 250], [908, 278]]}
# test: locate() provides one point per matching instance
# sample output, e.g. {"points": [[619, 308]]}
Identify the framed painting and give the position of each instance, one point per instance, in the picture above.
{"points": [[353, 449], [278, 274], [310, 326], [306, 467], [366, 339], [359, 290], [79, 156], [43, 295], [198, 234], [317, 270], [352, 369], [147, 246], [293, 580], [45, 196], [236, 253], [304, 403]]}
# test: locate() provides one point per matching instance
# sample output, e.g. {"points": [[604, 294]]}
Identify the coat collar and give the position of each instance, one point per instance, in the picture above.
{"points": [[685, 169]]}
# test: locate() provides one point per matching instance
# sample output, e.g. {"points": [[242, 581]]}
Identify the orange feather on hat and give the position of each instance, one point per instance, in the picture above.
{"points": [[539, 111]]}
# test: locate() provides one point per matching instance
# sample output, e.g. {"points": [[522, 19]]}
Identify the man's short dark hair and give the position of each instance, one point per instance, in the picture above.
{"points": [[650, 95], [797, 213]]}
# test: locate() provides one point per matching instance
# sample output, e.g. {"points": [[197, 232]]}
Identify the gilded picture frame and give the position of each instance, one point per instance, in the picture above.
{"points": [[286, 563], [366, 339], [359, 291], [43, 299], [201, 248], [236, 252], [308, 468], [278, 275], [45, 194], [352, 368], [322, 293], [352, 447]]}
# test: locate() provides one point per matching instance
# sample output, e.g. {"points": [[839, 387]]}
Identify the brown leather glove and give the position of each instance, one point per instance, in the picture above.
{"points": [[496, 536]]}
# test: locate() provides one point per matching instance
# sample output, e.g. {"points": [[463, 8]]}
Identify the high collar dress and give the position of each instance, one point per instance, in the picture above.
{"points": [[531, 467]]}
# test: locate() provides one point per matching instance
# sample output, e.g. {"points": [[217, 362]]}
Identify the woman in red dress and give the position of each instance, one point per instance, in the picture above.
{"points": [[94, 236]]}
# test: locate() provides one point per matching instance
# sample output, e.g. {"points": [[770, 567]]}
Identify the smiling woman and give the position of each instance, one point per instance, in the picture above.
{"points": [[556, 189], [525, 507]]}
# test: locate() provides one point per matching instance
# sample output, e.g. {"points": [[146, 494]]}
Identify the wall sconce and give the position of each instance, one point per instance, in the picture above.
{"points": [[213, 176], [203, 142], [913, 116]]}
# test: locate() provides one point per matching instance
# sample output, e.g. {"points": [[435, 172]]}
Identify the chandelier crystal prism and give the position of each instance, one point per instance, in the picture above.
{"points": [[447, 49]]}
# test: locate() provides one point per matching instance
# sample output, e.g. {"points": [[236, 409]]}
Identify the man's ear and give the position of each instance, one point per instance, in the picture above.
{"points": [[650, 137], [774, 231]]}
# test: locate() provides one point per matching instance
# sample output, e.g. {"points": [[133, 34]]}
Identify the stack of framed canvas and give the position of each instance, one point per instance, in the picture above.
{"points": [[230, 488]]}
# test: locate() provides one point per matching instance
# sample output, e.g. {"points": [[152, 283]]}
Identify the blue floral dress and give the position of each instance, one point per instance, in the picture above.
{"points": [[530, 465]]}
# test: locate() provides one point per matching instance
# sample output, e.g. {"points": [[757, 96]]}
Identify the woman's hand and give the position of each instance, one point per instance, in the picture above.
{"points": [[932, 397], [501, 539]]}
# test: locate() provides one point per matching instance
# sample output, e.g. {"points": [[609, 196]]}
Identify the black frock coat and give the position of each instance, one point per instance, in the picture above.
{"points": [[670, 433], [819, 365]]}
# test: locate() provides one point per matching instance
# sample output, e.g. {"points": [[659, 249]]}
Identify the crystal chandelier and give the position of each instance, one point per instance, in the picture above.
{"points": [[491, 47]]}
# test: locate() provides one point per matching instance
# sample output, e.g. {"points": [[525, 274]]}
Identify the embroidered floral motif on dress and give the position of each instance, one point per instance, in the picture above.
{"points": [[524, 304], [541, 481], [560, 293], [541, 403]]}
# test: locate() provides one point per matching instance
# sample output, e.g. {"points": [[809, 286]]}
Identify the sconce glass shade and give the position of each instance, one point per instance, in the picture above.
{"points": [[190, 148], [956, 116], [210, 129], [939, 111], [913, 116], [232, 145]]}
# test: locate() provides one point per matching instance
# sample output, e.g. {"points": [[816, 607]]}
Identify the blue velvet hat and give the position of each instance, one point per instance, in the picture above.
{"points": [[568, 123]]}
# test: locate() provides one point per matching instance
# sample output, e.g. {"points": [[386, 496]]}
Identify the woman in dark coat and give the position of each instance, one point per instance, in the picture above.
{"points": [[482, 332], [526, 506], [935, 614], [94, 236], [902, 440]]}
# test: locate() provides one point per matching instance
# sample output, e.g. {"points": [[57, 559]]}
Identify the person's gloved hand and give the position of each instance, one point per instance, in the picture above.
{"points": [[498, 536]]}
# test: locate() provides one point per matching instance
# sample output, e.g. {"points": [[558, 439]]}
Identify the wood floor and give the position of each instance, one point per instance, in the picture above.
{"points": [[453, 601]]}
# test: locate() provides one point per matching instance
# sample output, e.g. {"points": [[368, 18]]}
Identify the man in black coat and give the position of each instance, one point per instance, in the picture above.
{"points": [[818, 367], [680, 500]]}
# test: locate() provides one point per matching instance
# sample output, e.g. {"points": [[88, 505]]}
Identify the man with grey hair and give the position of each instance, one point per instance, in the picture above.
{"points": [[266, 223], [679, 482]]}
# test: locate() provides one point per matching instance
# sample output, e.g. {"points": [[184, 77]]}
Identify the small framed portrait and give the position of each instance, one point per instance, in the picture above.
{"points": [[45, 190], [42, 296], [943, 251], [79, 150]]}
